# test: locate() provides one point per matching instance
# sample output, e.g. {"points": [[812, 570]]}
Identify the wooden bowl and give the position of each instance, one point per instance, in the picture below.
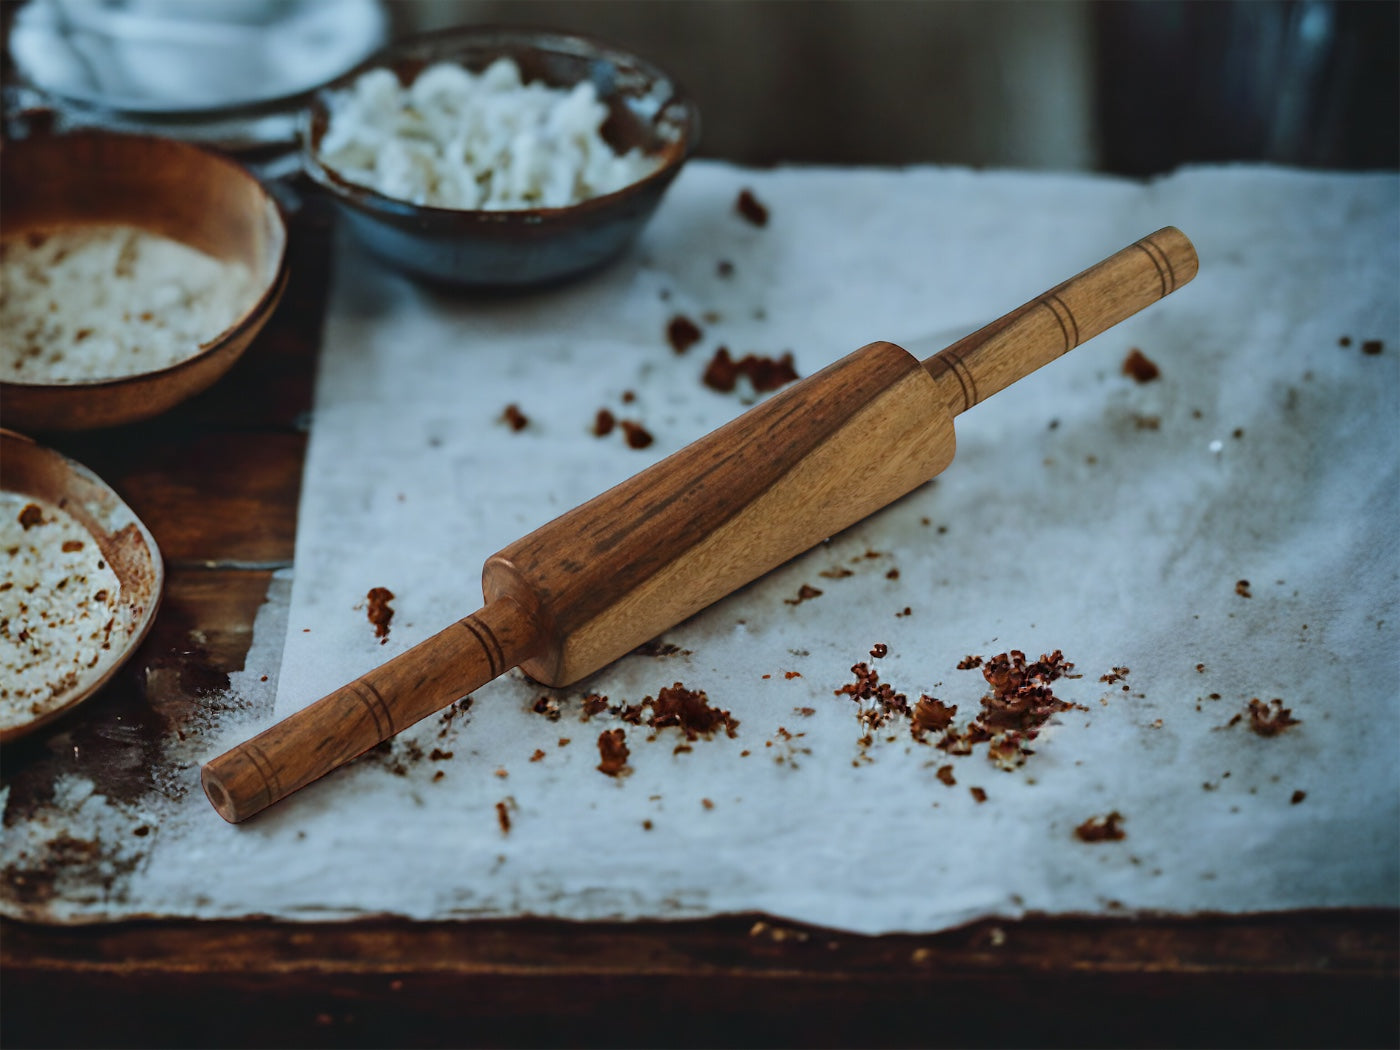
{"points": [[174, 189], [34, 471], [492, 248]]}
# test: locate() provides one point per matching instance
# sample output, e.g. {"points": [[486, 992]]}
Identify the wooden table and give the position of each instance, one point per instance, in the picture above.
{"points": [[217, 482]]}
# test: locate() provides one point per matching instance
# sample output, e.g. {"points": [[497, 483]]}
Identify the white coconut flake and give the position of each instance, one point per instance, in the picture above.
{"points": [[454, 139]]}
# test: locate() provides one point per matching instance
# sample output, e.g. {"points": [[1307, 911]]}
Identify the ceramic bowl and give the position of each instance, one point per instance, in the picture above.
{"points": [[174, 189], [29, 470], [647, 110]]}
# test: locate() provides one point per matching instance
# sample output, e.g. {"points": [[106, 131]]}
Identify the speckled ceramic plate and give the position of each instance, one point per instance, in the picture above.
{"points": [[63, 633]]}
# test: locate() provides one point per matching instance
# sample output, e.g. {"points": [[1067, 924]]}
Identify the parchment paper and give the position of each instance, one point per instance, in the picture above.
{"points": [[1086, 512]]}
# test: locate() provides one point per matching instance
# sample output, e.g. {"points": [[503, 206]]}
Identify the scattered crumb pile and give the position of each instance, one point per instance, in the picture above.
{"points": [[58, 606], [1019, 704], [379, 612], [685, 709], [488, 140], [98, 302], [763, 373], [675, 707]]}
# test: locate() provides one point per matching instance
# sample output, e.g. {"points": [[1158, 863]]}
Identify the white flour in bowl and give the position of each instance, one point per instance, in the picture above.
{"points": [[58, 607], [84, 303], [454, 139]]}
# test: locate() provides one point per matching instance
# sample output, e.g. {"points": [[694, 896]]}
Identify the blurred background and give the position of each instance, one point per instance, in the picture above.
{"points": [[1123, 86]]}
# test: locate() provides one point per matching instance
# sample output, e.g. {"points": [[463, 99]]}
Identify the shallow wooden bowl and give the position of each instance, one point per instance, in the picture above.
{"points": [[174, 189], [32, 470], [494, 249]]}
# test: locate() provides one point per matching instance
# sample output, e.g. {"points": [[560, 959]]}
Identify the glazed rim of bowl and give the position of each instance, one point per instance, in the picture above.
{"points": [[676, 112], [272, 278]]}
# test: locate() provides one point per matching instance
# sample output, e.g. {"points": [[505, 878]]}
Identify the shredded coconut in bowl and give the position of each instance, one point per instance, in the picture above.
{"points": [[84, 303], [58, 608], [455, 139]]}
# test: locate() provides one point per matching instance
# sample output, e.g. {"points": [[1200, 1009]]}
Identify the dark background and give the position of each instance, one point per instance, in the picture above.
{"points": [[1124, 86]]}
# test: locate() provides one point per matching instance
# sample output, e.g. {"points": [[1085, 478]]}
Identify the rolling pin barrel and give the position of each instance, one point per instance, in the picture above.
{"points": [[590, 586]]}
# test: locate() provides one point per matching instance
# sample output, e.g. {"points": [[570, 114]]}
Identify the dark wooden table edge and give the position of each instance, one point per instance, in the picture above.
{"points": [[1323, 977]]}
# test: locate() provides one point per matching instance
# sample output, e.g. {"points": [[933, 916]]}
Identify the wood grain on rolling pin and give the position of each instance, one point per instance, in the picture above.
{"points": [[596, 582]]}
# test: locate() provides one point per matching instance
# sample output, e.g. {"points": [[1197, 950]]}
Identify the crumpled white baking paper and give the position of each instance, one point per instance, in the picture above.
{"points": [[1084, 512]]}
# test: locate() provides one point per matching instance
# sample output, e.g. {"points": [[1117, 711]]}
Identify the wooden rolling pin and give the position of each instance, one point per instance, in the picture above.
{"points": [[597, 582]]}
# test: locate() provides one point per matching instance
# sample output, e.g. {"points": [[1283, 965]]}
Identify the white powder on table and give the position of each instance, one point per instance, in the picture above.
{"points": [[454, 139], [58, 606], [83, 303]]}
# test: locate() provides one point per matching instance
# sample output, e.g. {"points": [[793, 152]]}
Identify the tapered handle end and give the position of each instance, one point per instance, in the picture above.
{"points": [[348, 722]]}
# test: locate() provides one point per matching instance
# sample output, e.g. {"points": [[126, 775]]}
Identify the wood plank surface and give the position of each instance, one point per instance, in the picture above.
{"points": [[217, 481]]}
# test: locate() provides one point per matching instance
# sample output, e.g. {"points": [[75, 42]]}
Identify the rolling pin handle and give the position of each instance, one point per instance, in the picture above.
{"points": [[1052, 324], [348, 722]]}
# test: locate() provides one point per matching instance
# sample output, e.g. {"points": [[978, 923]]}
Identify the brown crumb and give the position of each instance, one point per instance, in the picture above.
{"points": [[878, 650], [603, 423], [945, 774], [69, 546], [978, 795], [1242, 589], [646, 825], [379, 612], [1114, 676], [594, 704], [838, 573], [790, 675], [547, 706], [805, 712], [1101, 829], [1372, 347], [514, 418], [804, 593], [439, 755], [1270, 719], [893, 574], [538, 756], [1298, 796], [30, 516], [628, 396], [689, 711], [503, 817], [637, 435], [612, 748], [439, 775], [563, 741], [707, 803], [1140, 366], [751, 208], [967, 663], [763, 373], [724, 268], [1344, 341], [931, 715], [682, 333], [502, 772]]}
